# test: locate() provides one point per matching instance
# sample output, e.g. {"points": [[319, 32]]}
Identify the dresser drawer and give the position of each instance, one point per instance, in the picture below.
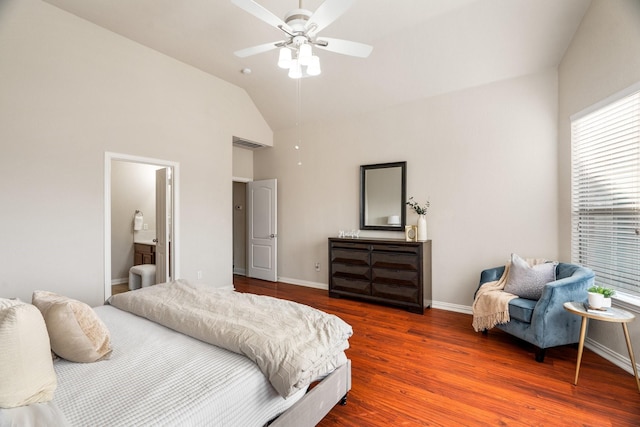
{"points": [[348, 271], [350, 244], [394, 260], [395, 292], [349, 256], [407, 278], [411, 249], [349, 285]]}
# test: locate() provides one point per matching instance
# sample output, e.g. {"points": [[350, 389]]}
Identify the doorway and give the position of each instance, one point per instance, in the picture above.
{"points": [[239, 228], [113, 163], [262, 229], [255, 244]]}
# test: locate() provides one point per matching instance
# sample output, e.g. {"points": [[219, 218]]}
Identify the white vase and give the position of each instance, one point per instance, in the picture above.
{"points": [[422, 228], [606, 303], [595, 299]]}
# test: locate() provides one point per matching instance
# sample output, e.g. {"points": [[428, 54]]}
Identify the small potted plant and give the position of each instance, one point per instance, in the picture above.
{"points": [[607, 293], [600, 296]]}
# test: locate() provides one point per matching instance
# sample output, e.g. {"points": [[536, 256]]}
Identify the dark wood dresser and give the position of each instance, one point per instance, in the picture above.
{"points": [[389, 271]]}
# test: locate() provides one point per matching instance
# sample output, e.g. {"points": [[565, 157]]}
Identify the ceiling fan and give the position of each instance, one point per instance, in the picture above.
{"points": [[301, 28]]}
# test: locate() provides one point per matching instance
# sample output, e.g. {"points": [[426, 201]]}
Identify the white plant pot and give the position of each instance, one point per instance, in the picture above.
{"points": [[595, 299], [606, 302]]}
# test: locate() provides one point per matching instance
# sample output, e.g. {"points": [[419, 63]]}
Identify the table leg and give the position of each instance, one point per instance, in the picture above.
{"points": [[583, 331], [633, 359]]}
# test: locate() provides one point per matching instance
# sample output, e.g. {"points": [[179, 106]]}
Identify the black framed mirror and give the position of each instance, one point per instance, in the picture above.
{"points": [[383, 193]]}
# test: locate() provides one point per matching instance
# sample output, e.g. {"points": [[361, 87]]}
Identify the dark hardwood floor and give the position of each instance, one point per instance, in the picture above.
{"points": [[433, 369]]}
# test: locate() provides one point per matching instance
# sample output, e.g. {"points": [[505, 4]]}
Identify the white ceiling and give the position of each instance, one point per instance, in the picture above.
{"points": [[421, 48]]}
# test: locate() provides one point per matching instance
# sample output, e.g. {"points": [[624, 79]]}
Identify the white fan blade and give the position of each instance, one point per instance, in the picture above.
{"points": [[261, 13], [243, 53], [326, 13], [344, 47]]}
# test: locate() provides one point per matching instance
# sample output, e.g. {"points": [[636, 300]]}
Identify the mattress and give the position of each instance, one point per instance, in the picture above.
{"points": [[157, 376]]}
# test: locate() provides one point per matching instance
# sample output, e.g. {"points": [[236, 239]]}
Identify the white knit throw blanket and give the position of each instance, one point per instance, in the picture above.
{"points": [[491, 306]]}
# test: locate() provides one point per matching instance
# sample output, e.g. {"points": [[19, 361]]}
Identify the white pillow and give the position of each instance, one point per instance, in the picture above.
{"points": [[76, 332], [528, 281], [26, 368]]}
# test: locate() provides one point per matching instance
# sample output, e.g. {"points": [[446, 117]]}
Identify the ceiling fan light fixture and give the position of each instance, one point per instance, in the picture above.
{"points": [[304, 54], [313, 69], [284, 58], [295, 71], [301, 28]]}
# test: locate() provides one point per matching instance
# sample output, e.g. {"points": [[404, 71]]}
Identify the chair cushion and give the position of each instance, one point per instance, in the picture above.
{"points": [[521, 309], [528, 281]]}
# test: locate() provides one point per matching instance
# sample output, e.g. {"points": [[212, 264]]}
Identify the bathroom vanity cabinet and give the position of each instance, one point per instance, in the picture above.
{"points": [[389, 271], [144, 254]]}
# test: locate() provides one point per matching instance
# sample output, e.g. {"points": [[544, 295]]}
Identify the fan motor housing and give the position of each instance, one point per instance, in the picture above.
{"points": [[297, 19]]}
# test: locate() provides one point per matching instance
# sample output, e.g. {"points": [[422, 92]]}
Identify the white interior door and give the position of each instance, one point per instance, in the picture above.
{"points": [[163, 215], [262, 231]]}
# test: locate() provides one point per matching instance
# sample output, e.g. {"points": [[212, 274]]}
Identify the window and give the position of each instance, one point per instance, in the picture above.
{"points": [[605, 202]]}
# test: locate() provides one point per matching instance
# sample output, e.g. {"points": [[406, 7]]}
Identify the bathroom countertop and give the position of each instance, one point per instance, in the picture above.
{"points": [[145, 242]]}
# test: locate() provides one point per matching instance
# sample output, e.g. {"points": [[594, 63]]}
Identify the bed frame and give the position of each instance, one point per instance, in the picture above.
{"points": [[317, 403]]}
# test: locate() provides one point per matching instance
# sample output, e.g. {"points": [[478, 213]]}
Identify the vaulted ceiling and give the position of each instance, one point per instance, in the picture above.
{"points": [[421, 48]]}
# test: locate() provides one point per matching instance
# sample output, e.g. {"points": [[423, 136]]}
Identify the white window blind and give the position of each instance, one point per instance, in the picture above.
{"points": [[606, 191]]}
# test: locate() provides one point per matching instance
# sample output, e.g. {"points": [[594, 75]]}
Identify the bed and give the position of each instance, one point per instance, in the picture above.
{"points": [[157, 375]]}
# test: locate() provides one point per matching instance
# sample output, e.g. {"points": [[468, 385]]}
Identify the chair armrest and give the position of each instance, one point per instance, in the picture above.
{"points": [[489, 275], [551, 324], [555, 294]]}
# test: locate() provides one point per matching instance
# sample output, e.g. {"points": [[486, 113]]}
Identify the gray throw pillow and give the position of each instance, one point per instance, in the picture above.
{"points": [[528, 281]]}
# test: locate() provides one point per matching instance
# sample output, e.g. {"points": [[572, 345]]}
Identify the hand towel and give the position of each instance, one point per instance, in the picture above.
{"points": [[138, 221]]}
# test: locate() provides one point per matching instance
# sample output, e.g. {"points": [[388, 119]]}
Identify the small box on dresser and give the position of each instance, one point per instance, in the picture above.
{"points": [[387, 271]]}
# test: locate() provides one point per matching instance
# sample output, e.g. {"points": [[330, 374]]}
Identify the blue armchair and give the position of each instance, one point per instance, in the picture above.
{"points": [[545, 323]]}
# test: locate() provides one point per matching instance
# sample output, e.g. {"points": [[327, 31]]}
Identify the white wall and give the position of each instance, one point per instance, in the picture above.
{"points": [[603, 58], [485, 157], [72, 91], [243, 163]]}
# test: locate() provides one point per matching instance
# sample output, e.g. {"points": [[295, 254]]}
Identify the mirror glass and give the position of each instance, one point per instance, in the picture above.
{"points": [[383, 196]]}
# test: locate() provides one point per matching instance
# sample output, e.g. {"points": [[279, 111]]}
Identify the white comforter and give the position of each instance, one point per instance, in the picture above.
{"points": [[293, 344]]}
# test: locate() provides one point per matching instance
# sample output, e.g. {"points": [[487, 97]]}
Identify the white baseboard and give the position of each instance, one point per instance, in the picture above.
{"points": [[306, 283], [616, 358], [119, 281], [435, 304], [239, 271], [465, 309]]}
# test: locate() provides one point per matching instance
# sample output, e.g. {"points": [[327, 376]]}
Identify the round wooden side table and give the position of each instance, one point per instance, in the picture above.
{"points": [[615, 315]]}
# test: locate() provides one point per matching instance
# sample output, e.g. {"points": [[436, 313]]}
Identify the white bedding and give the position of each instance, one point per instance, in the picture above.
{"points": [[293, 344], [157, 376]]}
